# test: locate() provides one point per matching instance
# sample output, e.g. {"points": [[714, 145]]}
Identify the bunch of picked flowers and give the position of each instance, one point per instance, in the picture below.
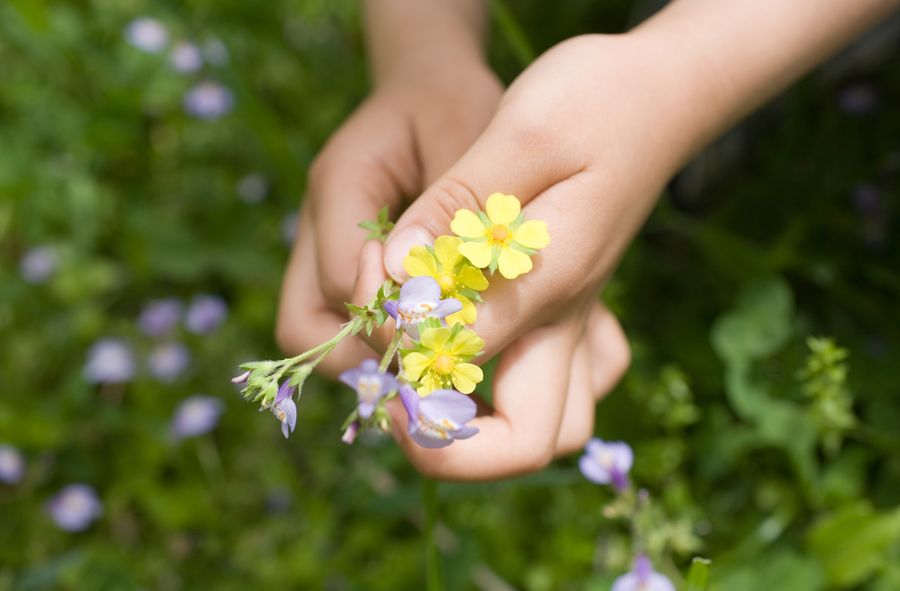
{"points": [[429, 362]]}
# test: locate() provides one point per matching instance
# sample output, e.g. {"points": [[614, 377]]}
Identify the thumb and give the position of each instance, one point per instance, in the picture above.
{"points": [[500, 161]]}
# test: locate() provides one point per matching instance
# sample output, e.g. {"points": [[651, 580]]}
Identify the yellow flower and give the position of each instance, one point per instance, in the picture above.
{"points": [[500, 238], [457, 278], [439, 360]]}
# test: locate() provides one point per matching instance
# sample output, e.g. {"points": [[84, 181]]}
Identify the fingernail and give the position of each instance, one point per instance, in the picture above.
{"points": [[397, 247]]}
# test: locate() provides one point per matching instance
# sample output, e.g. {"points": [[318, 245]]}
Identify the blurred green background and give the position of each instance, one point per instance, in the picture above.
{"points": [[129, 175]]}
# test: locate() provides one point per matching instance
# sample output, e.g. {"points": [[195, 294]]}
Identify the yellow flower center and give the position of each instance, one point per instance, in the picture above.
{"points": [[443, 364], [498, 234], [447, 283]]}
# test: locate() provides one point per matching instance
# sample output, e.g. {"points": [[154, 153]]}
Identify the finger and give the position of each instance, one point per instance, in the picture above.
{"points": [[304, 318], [530, 387], [508, 157], [369, 163], [610, 353], [578, 413], [369, 278]]}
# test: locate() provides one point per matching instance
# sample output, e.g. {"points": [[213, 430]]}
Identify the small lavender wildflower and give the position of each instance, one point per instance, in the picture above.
{"points": [[205, 314], [420, 298], [12, 464], [185, 57], [147, 34], [439, 418], [208, 100], [168, 361], [284, 408], [289, 225], [643, 578], [350, 433], [159, 317], [241, 379], [253, 188], [607, 462], [38, 264], [370, 385], [196, 415], [215, 52], [858, 99], [75, 507], [110, 361]]}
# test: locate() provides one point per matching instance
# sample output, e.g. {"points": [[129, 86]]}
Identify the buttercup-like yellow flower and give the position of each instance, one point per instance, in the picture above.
{"points": [[500, 237], [439, 360], [457, 278]]}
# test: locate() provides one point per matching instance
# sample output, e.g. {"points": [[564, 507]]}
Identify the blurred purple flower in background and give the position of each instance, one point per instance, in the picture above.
{"points": [[168, 361], [439, 418], [208, 100], [159, 317], [147, 34], [253, 188], [75, 507], [289, 227], [196, 415], [642, 578], [185, 57], [215, 52], [205, 314], [370, 385], [607, 462], [12, 464], [858, 99], [38, 264], [110, 360]]}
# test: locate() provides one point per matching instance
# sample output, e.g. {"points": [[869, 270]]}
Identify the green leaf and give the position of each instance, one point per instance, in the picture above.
{"points": [[759, 324], [698, 576]]}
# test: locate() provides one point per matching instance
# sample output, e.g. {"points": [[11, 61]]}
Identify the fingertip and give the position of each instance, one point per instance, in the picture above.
{"points": [[398, 246]]}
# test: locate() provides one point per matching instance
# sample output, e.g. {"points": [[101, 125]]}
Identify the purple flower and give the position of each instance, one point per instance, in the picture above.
{"points": [[12, 464], [642, 578], [241, 379], [168, 361], [607, 462], [858, 99], [75, 507], [370, 385], [110, 361], [185, 57], [196, 415], [208, 100], [147, 34], [38, 264], [284, 408], [420, 298], [159, 317], [350, 433], [439, 418], [205, 314], [289, 227], [253, 188]]}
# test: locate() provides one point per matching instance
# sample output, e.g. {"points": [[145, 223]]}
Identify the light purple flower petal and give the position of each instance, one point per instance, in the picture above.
{"points": [[607, 462], [241, 379], [642, 578], [439, 418], [420, 289], [593, 471], [205, 314], [350, 433], [196, 415], [185, 57], [286, 412], [75, 507], [390, 306], [147, 34], [208, 100], [366, 409], [110, 360], [38, 264], [168, 361], [448, 404], [12, 464], [447, 307], [370, 385], [285, 391], [159, 317]]}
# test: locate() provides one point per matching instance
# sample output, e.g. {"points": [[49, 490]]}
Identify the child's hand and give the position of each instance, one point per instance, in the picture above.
{"points": [[416, 124]]}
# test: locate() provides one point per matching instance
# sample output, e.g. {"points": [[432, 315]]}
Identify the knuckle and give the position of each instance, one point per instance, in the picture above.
{"points": [[451, 193], [539, 457]]}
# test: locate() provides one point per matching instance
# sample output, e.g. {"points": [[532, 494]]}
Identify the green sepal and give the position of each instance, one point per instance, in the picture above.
{"points": [[520, 219], [525, 249], [380, 227], [470, 293], [485, 219], [430, 322]]}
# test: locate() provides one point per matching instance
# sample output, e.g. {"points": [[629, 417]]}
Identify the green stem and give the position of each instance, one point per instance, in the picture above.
{"points": [[351, 327], [432, 560], [391, 351]]}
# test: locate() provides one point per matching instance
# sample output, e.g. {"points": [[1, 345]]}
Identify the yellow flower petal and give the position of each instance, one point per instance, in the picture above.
{"points": [[419, 262], [513, 263], [447, 250], [532, 234], [472, 278], [413, 365], [465, 376], [429, 384], [435, 338], [478, 253], [467, 344], [467, 315], [466, 224], [502, 209]]}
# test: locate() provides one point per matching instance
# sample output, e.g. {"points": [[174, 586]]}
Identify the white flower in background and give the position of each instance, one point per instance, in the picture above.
{"points": [[75, 507], [38, 264], [110, 360], [185, 57], [208, 100], [253, 188], [147, 34], [12, 464]]}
